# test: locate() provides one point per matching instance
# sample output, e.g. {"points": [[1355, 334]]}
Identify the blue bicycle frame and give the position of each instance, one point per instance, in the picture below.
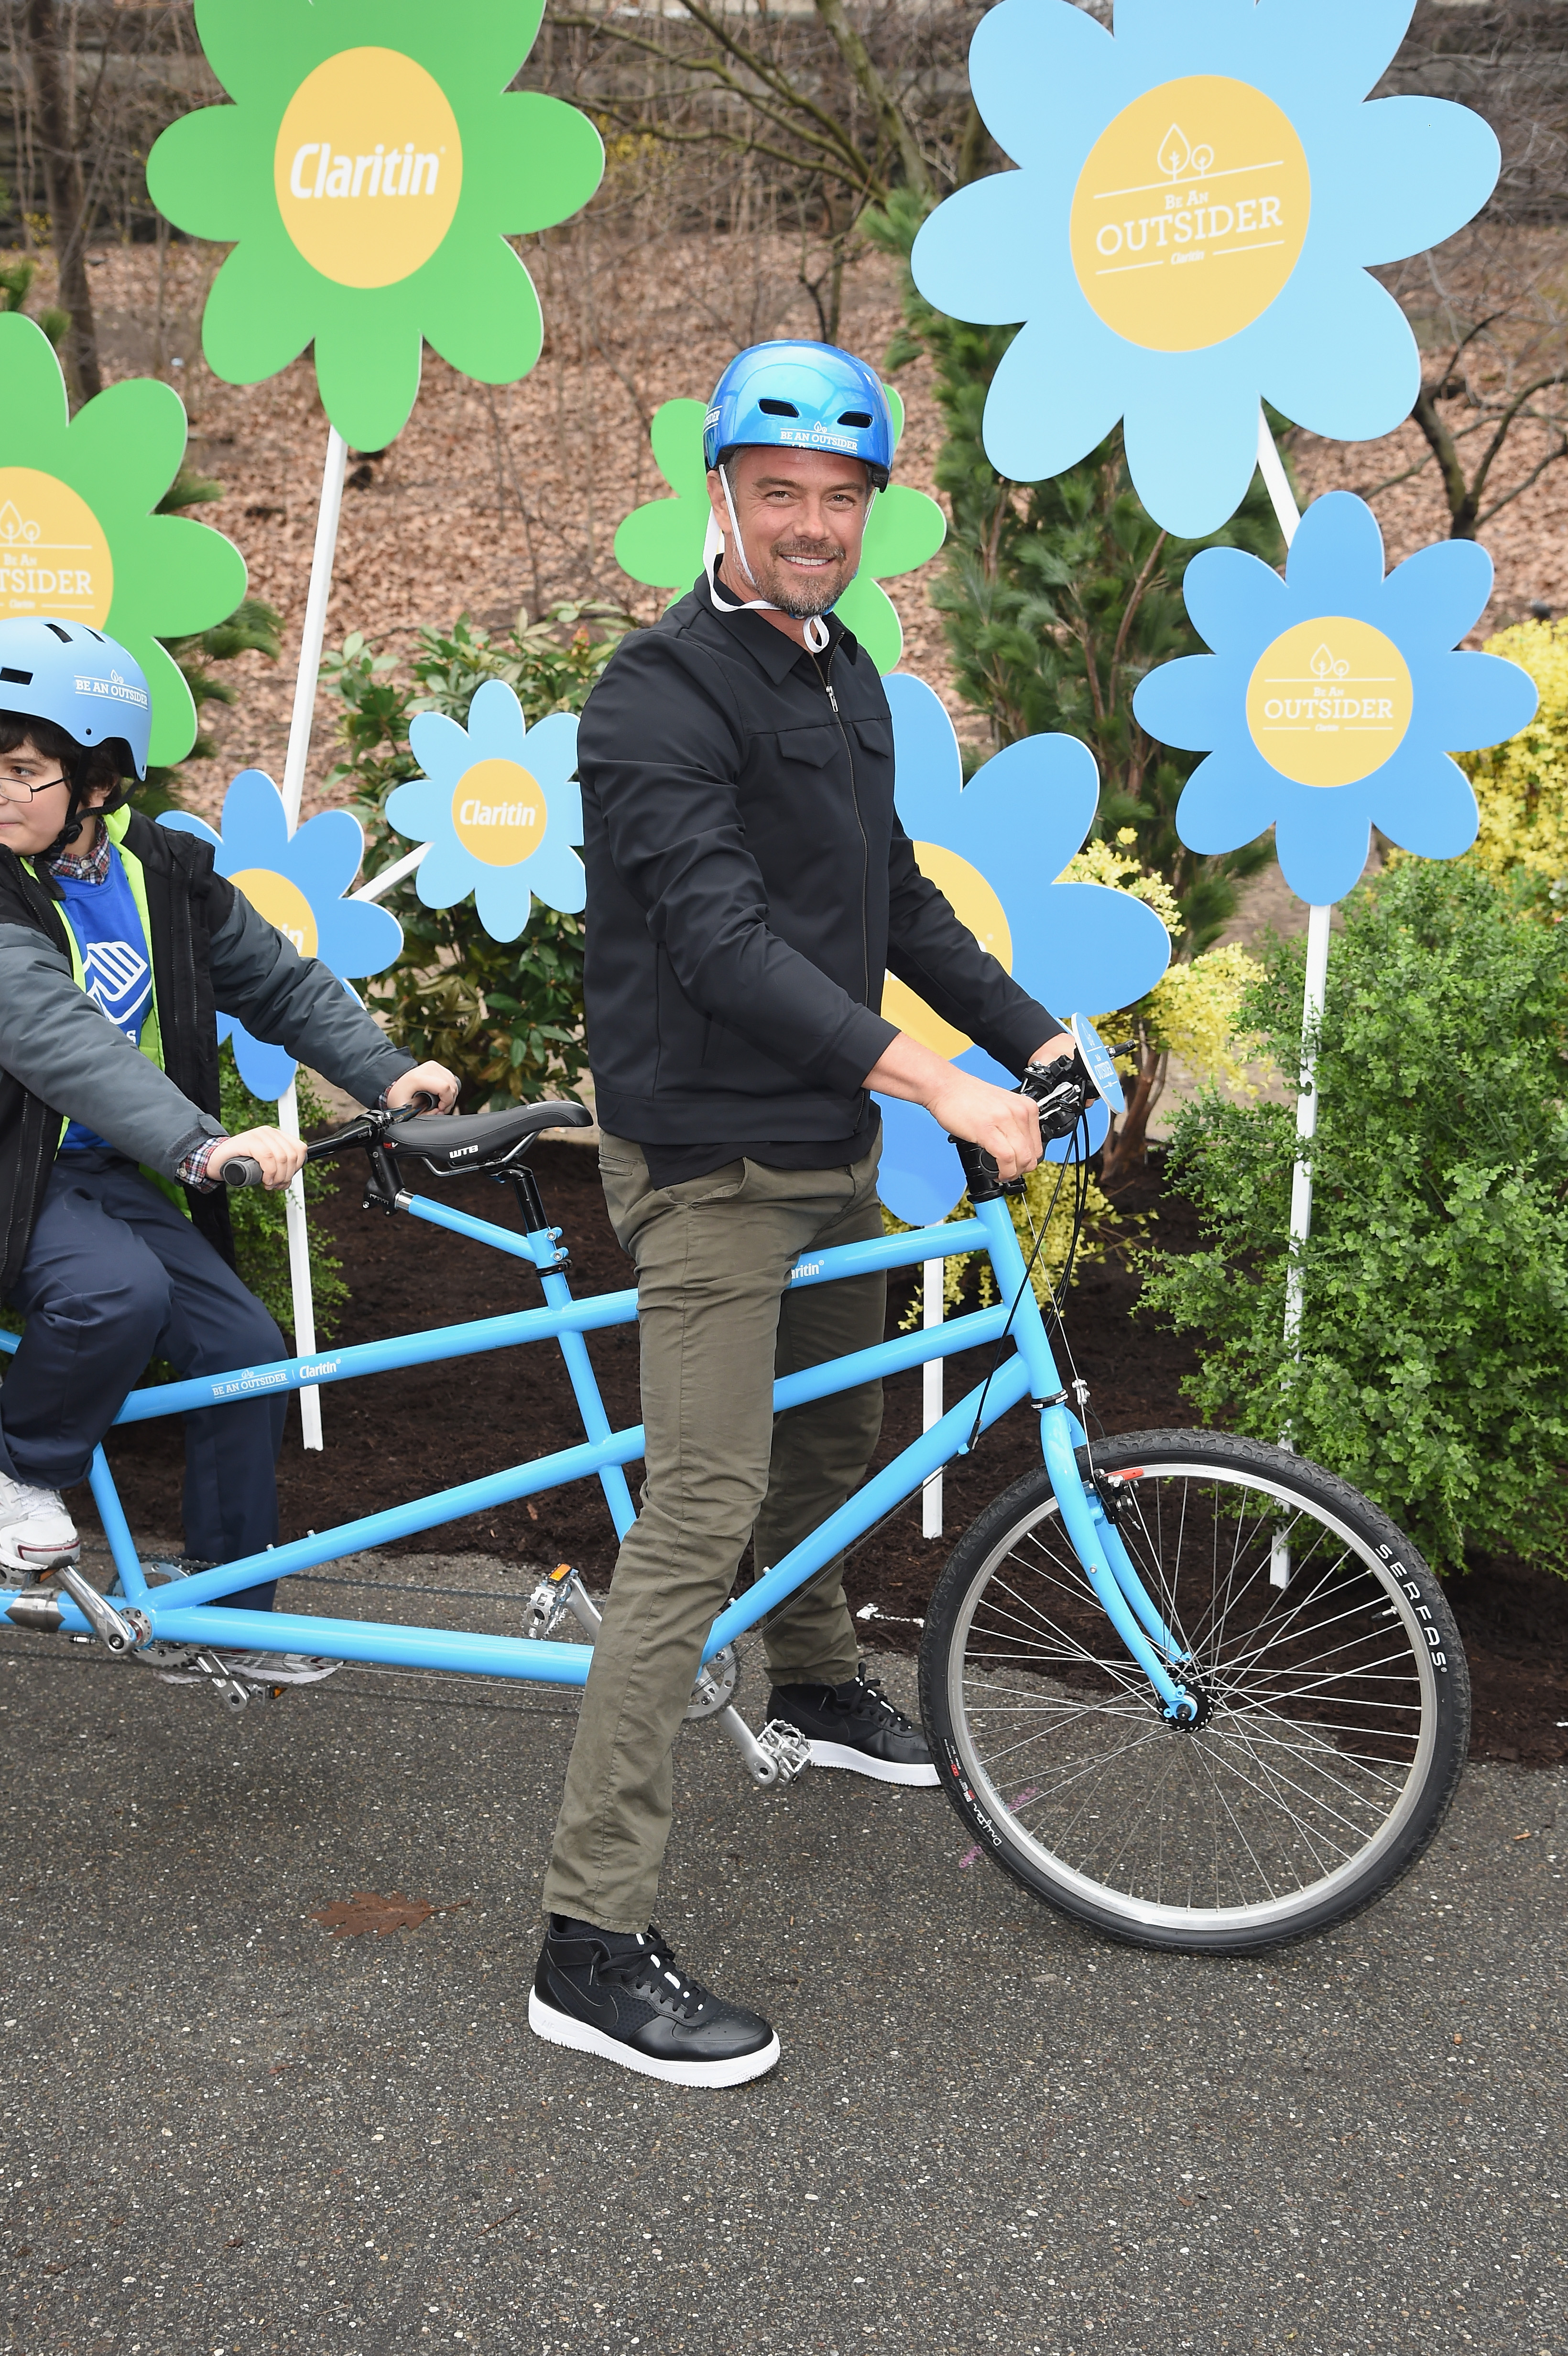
{"points": [[187, 1612]]}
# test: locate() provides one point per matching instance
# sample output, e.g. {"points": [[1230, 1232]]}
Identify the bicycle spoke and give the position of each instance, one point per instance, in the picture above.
{"points": [[1313, 1700]]}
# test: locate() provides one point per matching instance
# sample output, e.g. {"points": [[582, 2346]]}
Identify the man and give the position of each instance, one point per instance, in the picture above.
{"points": [[117, 942], [748, 885]]}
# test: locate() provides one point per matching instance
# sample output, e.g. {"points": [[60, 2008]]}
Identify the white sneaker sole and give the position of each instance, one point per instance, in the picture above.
{"points": [[38, 1561], [582, 2037], [880, 1771]]}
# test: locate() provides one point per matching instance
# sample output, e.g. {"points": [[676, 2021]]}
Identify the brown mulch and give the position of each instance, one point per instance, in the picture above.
{"points": [[400, 1435]]}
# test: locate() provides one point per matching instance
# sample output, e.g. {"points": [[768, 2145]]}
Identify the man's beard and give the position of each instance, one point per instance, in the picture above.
{"points": [[804, 598]]}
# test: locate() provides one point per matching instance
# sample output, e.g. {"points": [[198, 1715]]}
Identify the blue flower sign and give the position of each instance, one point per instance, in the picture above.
{"points": [[993, 848], [1199, 200], [297, 882], [1333, 698], [500, 808]]}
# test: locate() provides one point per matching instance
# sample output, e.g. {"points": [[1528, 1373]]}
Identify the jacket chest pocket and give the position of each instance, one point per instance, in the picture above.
{"points": [[801, 748]]}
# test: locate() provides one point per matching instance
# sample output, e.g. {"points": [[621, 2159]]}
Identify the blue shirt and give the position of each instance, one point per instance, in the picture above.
{"points": [[116, 972]]}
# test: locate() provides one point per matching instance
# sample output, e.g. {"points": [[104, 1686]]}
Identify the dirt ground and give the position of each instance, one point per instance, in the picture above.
{"points": [[402, 1435]]}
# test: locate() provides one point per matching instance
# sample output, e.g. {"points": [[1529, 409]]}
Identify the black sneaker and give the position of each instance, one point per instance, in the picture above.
{"points": [[856, 1726], [620, 1995]]}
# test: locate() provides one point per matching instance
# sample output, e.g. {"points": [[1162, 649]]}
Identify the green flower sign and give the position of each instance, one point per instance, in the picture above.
{"points": [[369, 175], [80, 538], [662, 543]]}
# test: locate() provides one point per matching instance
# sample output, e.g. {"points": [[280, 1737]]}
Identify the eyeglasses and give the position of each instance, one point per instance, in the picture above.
{"points": [[16, 789]]}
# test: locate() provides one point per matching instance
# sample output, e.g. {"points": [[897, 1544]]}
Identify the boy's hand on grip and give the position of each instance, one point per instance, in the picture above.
{"points": [[277, 1156]]}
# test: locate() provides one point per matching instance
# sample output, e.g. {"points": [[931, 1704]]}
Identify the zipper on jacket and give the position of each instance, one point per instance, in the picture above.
{"points": [[865, 846]]}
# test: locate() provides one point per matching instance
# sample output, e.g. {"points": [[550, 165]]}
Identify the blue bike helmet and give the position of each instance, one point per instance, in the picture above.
{"points": [[86, 683], [801, 397]]}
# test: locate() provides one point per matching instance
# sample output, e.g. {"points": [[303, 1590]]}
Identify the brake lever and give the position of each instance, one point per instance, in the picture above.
{"points": [[1063, 1090]]}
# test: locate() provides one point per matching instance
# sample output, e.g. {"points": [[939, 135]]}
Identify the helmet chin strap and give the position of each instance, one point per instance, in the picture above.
{"points": [[815, 629]]}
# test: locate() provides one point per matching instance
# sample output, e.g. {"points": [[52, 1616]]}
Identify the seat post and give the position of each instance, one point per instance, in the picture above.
{"points": [[531, 1201]]}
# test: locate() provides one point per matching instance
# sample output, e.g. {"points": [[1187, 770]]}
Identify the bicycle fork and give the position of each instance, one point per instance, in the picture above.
{"points": [[1114, 1576]]}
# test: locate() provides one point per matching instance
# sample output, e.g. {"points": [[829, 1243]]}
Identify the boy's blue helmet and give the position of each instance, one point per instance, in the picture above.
{"points": [[801, 397], [86, 683]]}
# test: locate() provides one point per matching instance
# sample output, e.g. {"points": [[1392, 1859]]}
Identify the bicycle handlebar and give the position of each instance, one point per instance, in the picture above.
{"points": [[242, 1169], [1063, 1090]]}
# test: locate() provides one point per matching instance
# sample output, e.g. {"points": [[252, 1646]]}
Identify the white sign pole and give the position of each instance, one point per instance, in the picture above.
{"points": [[1277, 484], [935, 1273], [293, 788]]}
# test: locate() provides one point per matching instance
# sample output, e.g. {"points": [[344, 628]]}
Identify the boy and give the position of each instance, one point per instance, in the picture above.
{"points": [[114, 1234]]}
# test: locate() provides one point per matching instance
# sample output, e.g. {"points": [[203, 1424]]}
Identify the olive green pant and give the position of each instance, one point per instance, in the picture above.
{"points": [[717, 1319]]}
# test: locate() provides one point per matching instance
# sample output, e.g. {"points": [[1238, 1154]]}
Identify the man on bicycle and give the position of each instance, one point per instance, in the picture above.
{"points": [[118, 942], [748, 885]]}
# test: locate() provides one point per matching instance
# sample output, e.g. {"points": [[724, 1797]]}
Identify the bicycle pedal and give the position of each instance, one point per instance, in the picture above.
{"points": [[787, 1747], [560, 1590]]}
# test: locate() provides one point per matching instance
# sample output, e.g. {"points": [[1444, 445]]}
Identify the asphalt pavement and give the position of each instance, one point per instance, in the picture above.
{"points": [[225, 2130]]}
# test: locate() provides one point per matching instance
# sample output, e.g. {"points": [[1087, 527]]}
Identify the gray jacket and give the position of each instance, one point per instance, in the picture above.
{"points": [[60, 1058]]}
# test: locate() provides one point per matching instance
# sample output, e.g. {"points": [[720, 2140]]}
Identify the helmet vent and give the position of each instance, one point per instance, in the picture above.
{"points": [[63, 636], [856, 417], [15, 678], [778, 407]]}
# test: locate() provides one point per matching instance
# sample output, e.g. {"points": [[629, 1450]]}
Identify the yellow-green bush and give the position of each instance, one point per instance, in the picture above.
{"points": [[1523, 786]]}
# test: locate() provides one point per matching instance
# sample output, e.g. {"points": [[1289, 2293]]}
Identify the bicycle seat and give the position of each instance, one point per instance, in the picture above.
{"points": [[455, 1145]]}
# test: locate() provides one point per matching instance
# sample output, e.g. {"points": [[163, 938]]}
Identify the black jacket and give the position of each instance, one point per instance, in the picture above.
{"points": [[748, 885], [59, 1057]]}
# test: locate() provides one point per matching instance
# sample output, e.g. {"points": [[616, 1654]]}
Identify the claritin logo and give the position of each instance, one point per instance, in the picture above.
{"points": [[499, 812], [367, 167], [474, 812], [1230, 187], [1330, 700], [54, 558]]}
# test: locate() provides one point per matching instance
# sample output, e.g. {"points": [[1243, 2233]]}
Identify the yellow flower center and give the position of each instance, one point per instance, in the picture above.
{"points": [[974, 904], [1190, 214], [499, 812], [368, 167], [1330, 700], [282, 904], [54, 552]]}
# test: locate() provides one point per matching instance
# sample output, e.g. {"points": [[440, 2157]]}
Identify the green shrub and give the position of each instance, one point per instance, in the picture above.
{"points": [[261, 1235], [1433, 1366], [505, 1016]]}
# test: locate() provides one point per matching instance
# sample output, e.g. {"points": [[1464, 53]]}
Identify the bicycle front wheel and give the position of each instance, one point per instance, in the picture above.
{"points": [[1335, 1699]]}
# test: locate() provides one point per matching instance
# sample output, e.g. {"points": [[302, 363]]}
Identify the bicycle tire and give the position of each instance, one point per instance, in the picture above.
{"points": [[1337, 1706]]}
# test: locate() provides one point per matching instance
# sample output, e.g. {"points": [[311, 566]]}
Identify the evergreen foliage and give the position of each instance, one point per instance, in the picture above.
{"points": [[1433, 1365], [259, 1220]]}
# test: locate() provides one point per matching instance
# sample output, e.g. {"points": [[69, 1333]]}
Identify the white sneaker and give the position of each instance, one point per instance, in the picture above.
{"points": [[36, 1533], [259, 1669]]}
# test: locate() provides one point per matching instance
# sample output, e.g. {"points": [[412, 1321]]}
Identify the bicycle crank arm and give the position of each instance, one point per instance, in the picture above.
{"points": [[119, 1632]]}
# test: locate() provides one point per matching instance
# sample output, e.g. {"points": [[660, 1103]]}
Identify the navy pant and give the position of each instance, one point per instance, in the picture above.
{"points": [[114, 1275]]}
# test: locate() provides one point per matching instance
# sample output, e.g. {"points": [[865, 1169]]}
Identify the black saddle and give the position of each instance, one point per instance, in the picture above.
{"points": [[454, 1145]]}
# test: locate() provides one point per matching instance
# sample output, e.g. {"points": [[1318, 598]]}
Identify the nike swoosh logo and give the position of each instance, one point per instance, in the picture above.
{"points": [[599, 2010]]}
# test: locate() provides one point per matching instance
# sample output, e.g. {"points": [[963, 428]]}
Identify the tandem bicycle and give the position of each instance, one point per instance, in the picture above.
{"points": [[1192, 1690]]}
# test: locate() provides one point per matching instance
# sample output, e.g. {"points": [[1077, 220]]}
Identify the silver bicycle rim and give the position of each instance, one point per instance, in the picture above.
{"points": [[1324, 1702]]}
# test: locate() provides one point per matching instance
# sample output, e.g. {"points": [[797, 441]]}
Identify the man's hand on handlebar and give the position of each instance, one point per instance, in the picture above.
{"points": [[424, 1080], [1005, 1124], [277, 1156]]}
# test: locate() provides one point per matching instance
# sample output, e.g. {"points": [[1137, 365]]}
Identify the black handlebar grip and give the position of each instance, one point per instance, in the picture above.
{"points": [[240, 1170], [981, 1175]]}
